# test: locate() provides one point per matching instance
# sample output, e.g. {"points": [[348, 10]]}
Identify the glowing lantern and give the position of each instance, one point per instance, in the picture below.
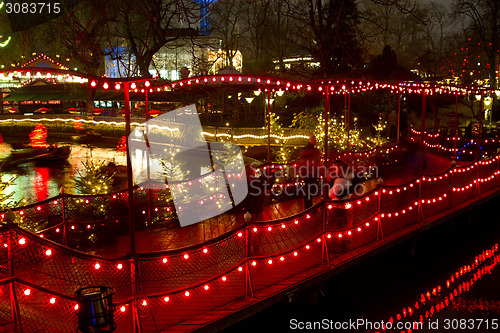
{"points": [[97, 112], [154, 113], [12, 110], [72, 110], [78, 123], [43, 109]]}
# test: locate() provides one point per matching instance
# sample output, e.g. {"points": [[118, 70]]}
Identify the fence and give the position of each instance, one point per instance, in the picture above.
{"points": [[39, 276]]}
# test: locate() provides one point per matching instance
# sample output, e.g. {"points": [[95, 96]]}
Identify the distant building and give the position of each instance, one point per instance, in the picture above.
{"points": [[201, 55]]}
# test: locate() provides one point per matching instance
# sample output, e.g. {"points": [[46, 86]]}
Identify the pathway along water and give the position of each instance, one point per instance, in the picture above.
{"points": [[39, 182], [392, 282]]}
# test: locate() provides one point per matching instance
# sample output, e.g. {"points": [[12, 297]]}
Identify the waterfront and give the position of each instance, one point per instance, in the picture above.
{"points": [[35, 183], [390, 283]]}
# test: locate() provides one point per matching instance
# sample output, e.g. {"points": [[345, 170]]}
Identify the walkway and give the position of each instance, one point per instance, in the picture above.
{"points": [[161, 239]]}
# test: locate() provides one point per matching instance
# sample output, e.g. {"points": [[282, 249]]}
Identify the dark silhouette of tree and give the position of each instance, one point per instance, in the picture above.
{"points": [[484, 16], [330, 33], [385, 67], [226, 18], [147, 26]]}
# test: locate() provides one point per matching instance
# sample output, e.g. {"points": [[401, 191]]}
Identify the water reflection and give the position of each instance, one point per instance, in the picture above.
{"points": [[35, 183], [394, 283]]}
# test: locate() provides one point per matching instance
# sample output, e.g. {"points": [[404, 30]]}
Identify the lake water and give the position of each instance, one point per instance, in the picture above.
{"points": [[394, 281], [35, 183]]}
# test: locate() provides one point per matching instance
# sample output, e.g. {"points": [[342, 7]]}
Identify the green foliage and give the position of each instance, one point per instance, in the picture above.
{"points": [[6, 199], [94, 179], [338, 137], [307, 119], [276, 128]]}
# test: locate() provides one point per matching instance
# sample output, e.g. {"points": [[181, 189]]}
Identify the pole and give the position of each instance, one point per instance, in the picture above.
{"points": [[130, 189], [422, 129], [399, 115], [131, 220], [269, 127], [14, 304], [455, 136], [480, 136], [348, 118], [63, 214], [148, 170], [325, 143]]}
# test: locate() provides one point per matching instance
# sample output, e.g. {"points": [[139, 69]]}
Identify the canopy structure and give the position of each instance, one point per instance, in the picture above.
{"points": [[62, 84], [68, 85]]}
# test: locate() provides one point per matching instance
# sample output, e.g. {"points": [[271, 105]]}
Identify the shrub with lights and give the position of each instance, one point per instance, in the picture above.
{"points": [[93, 179], [340, 139]]}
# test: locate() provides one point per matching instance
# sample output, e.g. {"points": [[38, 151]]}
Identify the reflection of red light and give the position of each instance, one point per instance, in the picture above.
{"points": [[40, 183]]}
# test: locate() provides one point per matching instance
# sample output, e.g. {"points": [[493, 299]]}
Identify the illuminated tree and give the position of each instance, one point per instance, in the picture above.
{"points": [[93, 179], [484, 28], [339, 138], [6, 199]]}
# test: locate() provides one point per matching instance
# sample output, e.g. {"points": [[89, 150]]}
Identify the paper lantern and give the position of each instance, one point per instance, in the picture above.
{"points": [[154, 113], [43, 109]]}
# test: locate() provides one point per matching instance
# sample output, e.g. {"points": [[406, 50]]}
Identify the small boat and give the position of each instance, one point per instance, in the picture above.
{"points": [[37, 155]]}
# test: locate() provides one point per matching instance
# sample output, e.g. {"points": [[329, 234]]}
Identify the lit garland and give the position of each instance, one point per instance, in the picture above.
{"points": [[94, 180], [338, 137], [340, 87], [44, 57], [315, 244]]}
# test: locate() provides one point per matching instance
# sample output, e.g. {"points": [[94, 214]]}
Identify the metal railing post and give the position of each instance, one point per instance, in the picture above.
{"points": [[14, 304], [63, 214], [324, 246], [248, 277], [136, 319]]}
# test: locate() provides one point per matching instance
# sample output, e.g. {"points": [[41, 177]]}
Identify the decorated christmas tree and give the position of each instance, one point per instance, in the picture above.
{"points": [[93, 179], [6, 199]]}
